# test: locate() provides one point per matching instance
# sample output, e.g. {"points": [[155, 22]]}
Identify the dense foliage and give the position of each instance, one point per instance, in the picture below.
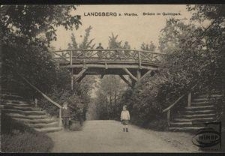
{"points": [[28, 31], [195, 55]]}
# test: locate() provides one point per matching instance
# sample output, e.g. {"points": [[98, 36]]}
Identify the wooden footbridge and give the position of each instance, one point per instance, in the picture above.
{"points": [[134, 63]]}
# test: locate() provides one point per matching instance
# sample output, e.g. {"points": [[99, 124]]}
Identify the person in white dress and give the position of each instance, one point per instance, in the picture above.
{"points": [[125, 118]]}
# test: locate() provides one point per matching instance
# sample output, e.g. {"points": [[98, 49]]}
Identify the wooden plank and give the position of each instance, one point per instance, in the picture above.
{"points": [[139, 59], [81, 78], [138, 75], [80, 74], [125, 80], [130, 74], [168, 117], [71, 60], [148, 72], [71, 79]]}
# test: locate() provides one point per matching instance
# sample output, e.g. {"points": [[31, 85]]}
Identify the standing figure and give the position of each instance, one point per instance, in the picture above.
{"points": [[99, 53], [126, 52], [80, 116], [65, 115], [125, 117]]}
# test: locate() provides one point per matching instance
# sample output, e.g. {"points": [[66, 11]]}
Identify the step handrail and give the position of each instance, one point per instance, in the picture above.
{"points": [[172, 105], [46, 97]]}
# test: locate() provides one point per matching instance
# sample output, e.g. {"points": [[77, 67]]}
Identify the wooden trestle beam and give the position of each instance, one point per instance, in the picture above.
{"points": [[130, 74], [125, 80]]}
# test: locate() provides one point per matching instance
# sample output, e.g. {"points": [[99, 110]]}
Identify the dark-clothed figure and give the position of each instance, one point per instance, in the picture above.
{"points": [[65, 115], [126, 52], [80, 116], [99, 53]]}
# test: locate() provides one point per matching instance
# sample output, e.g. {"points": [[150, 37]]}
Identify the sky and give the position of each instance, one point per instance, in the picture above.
{"points": [[134, 29]]}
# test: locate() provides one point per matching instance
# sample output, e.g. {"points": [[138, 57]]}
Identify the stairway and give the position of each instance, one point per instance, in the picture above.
{"points": [[19, 109], [202, 110]]}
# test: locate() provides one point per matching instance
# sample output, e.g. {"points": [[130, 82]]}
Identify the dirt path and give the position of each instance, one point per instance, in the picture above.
{"points": [[107, 136]]}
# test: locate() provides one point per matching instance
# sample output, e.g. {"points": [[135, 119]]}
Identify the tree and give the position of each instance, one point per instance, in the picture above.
{"points": [[86, 85], [30, 21], [27, 33], [113, 43], [109, 92]]}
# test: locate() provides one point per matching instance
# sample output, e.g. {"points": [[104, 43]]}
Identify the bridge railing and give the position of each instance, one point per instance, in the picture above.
{"points": [[107, 55]]}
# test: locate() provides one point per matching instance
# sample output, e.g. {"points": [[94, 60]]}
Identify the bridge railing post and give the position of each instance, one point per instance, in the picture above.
{"points": [[71, 57], [60, 117], [189, 99], [139, 59], [168, 117]]}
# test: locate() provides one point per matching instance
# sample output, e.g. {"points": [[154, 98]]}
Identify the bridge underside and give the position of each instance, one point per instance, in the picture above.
{"points": [[135, 72]]}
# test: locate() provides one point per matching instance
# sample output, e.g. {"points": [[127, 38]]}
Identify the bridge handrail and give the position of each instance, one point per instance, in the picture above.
{"points": [[168, 109], [57, 51], [172, 105], [46, 97]]}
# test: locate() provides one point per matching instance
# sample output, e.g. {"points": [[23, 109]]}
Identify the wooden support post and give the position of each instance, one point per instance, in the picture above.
{"points": [[102, 76], [35, 102], [125, 80], [71, 58], [148, 72], [129, 73], [138, 75], [168, 117], [132, 82], [71, 78], [139, 59], [80, 78], [189, 99], [60, 117]]}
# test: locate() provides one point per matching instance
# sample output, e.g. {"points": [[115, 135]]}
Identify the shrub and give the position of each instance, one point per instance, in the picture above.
{"points": [[75, 126]]}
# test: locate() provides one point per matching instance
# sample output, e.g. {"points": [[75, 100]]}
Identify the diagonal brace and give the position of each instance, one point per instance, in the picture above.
{"points": [[130, 74]]}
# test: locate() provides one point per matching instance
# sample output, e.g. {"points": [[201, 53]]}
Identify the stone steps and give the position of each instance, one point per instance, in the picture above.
{"points": [[45, 120], [192, 118], [25, 112], [200, 103], [14, 101], [49, 129], [14, 115], [23, 108], [213, 96], [41, 125], [188, 112], [15, 105], [197, 115], [19, 109], [194, 129], [199, 107]]}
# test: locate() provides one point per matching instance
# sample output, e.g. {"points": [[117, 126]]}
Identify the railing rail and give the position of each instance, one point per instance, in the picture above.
{"points": [[168, 109], [46, 97]]}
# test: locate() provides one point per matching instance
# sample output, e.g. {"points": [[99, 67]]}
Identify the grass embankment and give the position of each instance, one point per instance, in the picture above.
{"points": [[17, 137]]}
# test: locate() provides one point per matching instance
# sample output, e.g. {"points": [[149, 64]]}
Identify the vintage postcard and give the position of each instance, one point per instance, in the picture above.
{"points": [[144, 78]]}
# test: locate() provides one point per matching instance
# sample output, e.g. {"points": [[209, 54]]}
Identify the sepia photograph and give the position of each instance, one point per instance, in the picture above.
{"points": [[130, 78]]}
